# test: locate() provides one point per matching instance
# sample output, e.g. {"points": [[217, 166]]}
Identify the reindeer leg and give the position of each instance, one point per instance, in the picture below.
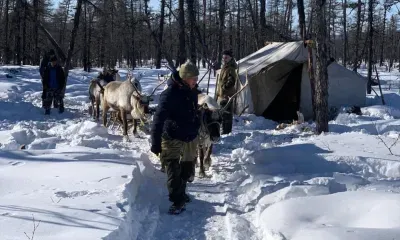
{"points": [[207, 161], [124, 124], [135, 122], [201, 156], [97, 109], [105, 110]]}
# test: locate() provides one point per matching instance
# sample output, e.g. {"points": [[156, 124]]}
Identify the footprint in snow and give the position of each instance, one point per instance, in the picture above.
{"points": [[16, 163]]}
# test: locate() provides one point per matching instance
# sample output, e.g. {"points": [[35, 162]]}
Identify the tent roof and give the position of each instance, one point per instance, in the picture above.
{"points": [[273, 52]]}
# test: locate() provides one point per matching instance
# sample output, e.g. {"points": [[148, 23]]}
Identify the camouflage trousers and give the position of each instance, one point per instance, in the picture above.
{"points": [[179, 160], [227, 116], [52, 96]]}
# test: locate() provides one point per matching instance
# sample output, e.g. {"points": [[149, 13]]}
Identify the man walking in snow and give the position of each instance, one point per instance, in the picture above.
{"points": [[226, 88], [174, 132], [43, 65], [53, 85]]}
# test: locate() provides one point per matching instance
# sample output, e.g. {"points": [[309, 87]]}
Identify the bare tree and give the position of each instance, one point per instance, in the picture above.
{"points": [[321, 73]]}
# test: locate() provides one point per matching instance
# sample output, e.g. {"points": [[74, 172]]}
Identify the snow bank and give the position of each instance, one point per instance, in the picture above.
{"points": [[349, 215], [140, 201]]}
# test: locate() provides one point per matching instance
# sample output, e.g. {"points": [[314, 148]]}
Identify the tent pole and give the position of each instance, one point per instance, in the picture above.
{"points": [[310, 43]]}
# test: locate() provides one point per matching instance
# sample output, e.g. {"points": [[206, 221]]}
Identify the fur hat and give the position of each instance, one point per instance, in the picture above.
{"points": [[188, 70], [53, 58], [227, 52]]}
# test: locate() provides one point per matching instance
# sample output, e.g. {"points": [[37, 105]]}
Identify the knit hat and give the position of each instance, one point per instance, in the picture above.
{"points": [[188, 70]]}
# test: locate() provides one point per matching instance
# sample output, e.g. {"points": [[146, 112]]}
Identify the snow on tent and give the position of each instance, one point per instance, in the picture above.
{"points": [[279, 83]]}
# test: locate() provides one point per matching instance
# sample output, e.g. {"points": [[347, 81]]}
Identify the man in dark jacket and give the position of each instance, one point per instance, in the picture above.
{"points": [[53, 85], [226, 88], [43, 65], [174, 132]]}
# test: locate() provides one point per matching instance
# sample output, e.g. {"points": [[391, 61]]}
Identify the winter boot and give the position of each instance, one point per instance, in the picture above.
{"points": [[61, 109], [187, 198], [47, 112], [177, 208]]}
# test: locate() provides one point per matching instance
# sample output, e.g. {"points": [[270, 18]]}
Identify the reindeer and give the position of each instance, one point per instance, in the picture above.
{"points": [[126, 97], [96, 89], [210, 125]]}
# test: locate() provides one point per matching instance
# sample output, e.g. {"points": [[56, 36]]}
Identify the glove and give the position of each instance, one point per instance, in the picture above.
{"points": [[156, 149]]}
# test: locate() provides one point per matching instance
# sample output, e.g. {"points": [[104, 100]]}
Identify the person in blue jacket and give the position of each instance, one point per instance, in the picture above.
{"points": [[53, 85], [174, 132]]}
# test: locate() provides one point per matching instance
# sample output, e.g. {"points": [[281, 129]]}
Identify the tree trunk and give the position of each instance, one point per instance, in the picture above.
{"points": [[302, 19], [344, 33], [74, 31], [321, 73], [358, 33], [238, 42], [221, 14], [182, 41], [85, 43], [18, 8], [160, 35], [383, 36], [36, 55], [192, 22], [133, 25], [370, 42], [263, 23], [24, 43]]}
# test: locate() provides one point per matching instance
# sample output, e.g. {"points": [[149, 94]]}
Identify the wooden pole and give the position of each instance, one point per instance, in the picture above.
{"points": [[208, 83]]}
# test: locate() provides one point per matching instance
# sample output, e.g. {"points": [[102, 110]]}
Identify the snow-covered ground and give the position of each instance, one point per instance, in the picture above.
{"points": [[79, 180]]}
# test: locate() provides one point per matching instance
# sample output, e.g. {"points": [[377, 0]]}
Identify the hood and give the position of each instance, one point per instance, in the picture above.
{"points": [[175, 79], [231, 63]]}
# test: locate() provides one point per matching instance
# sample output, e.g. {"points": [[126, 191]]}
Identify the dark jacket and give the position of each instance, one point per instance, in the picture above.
{"points": [[60, 77], [43, 64], [176, 116]]}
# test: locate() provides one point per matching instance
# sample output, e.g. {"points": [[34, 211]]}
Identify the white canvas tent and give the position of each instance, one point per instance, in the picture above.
{"points": [[279, 83]]}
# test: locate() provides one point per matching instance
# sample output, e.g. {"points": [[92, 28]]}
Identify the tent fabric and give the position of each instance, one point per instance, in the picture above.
{"points": [[267, 70]]}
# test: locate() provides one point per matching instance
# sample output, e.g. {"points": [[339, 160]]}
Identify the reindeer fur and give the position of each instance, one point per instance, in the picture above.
{"points": [[118, 95], [95, 95]]}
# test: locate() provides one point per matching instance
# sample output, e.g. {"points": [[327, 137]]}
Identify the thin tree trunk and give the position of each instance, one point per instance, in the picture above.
{"points": [[383, 36], [344, 33], [238, 42], [160, 35], [182, 41], [74, 31], [321, 73], [24, 58], [302, 18], [370, 42], [192, 22], [358, 33], [133, 24]]}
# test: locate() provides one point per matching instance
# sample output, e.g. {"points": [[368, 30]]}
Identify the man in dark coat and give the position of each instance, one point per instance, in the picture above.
{"points": [[174, 132], [53, 85], [226, 88], [43, 65]]}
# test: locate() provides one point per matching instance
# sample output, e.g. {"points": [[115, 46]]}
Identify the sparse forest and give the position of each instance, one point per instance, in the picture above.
{"points": [[132, 33]]}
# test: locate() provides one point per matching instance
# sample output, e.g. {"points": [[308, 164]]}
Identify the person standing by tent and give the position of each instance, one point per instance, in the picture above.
{"points": [[174, 132], [226, 88], [43, 65], [53, 85]]}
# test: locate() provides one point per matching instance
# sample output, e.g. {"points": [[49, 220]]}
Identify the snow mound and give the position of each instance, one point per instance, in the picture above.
{"points": [[348, 215], [384, 112]]}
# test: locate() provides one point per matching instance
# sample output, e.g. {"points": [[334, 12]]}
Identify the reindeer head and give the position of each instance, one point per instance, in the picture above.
{"points": [[210, 117], [143, 100]]}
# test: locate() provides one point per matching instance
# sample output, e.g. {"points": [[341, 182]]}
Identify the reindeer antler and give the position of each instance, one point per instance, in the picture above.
{"points": [[234, 95]]}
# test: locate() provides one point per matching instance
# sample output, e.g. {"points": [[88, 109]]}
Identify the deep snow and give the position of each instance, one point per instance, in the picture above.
{"points": [[80, 179]]}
